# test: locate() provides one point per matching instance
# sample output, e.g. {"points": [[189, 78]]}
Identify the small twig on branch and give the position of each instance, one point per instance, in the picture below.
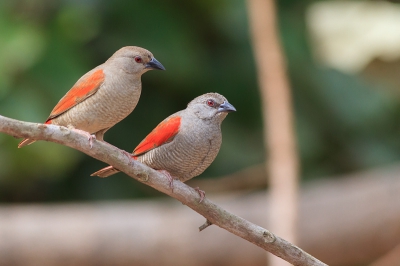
{"points": [[185, 194], [205, 225]]}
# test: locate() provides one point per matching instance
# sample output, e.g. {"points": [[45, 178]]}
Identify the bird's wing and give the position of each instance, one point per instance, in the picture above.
{"points": [[84, 88], [163, 133]]}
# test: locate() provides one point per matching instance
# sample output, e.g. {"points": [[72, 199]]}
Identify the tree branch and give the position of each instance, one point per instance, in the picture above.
{"points": [[185, 194]]}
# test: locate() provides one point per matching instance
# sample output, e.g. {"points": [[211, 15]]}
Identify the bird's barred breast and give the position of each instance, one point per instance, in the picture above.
{"points": [[189, 154]]}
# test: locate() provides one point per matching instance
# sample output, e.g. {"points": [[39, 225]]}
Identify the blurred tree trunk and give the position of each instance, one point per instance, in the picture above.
{"points": [[279, 137]]}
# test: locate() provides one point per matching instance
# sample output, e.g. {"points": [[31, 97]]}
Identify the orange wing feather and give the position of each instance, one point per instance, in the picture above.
{"points": [[78, 93], [163, 133]]}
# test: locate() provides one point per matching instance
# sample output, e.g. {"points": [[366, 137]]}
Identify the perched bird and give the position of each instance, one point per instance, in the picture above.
{"points": [[185, 143], [105, 95]]}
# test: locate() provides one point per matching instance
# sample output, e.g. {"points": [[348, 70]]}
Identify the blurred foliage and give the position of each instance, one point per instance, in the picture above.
{"points": [[344, 123]]}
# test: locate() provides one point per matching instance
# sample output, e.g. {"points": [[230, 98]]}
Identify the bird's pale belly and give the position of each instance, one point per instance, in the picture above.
{"points": [[98, 112], [183, 159]]}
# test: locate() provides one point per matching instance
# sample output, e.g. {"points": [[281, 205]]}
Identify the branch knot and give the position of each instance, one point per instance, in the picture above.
{"points": [[268, 236]]}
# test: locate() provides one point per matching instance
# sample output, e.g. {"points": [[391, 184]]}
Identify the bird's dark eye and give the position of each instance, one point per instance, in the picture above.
{"points": [[210, 103], [138, 59]]}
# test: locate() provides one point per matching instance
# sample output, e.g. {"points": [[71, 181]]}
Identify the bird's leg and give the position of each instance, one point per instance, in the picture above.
{"points": [[170, 178], [100, 134], [202, 193], [129, 155], [87, 134]]}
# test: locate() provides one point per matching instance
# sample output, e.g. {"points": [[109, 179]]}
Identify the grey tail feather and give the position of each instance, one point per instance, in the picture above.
{"points": [[106, 171], [25, 142]]}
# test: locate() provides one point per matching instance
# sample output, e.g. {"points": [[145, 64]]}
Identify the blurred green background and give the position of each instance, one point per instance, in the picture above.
{"points": [[344, 122]]}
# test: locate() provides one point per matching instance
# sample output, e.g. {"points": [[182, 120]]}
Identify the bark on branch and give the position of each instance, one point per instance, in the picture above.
{"points": [[185, 194]]}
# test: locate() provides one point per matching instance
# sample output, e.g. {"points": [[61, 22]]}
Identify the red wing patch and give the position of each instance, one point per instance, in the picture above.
{"points": [[78, 93], [163, 133]]}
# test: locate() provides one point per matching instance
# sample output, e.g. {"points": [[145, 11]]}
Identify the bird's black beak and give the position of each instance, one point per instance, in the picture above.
{"points": [[226, 107], [154, 64]]}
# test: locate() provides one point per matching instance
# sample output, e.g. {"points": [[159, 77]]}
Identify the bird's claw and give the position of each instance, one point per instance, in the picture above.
{"points": [[202, 193], [170, 178], [129, 155], [131, 163], [87, 134], [91, 138]]}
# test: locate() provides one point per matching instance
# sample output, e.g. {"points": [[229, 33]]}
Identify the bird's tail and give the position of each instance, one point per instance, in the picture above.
{"points": [[25, 142], [106, 171]]}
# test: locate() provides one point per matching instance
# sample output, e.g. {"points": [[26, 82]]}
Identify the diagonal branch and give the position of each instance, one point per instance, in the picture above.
{"points": [[185, 194]]}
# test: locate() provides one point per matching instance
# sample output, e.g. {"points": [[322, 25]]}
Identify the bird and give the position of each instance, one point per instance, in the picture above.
{"points": [[105, 95], [184, 144]]}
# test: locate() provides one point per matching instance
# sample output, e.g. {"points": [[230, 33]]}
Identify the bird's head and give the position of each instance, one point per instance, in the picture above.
{"points": [[211, 106], [134, 60]]}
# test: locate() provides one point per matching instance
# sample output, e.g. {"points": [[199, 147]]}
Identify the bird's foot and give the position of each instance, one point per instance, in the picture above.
{"points": [[87, 134], [170, 178], [202, 193], [91, 138], [129, 155]]}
